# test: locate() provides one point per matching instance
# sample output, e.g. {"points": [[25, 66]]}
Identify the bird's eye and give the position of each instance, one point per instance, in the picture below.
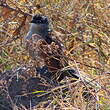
{"points": [[38, 21]]}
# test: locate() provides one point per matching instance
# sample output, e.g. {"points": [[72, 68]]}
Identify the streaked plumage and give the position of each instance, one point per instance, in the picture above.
{"points": [[42, 47]]}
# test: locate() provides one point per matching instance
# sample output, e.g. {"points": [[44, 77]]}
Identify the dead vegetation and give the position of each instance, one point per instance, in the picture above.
{"points": [[84, 28]]}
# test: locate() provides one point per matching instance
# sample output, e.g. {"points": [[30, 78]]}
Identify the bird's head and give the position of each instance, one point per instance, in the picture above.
{"points": [[39, 25], [39, 20]]}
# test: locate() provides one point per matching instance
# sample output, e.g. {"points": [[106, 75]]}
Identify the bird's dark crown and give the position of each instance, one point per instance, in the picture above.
{"points": [[39, 19]]}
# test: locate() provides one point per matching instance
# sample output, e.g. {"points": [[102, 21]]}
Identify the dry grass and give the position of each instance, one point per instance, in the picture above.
{"points": [[84, 28]]}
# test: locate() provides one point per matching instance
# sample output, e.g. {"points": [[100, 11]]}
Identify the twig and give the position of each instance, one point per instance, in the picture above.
{"points": [[63, 56], [13, 9]]}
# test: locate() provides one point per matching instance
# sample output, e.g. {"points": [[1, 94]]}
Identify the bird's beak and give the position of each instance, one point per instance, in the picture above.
{"points": [[49, 30]]}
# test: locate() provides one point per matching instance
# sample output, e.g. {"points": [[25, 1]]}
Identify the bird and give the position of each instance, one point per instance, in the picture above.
{"points": [[40, 26], [43, 47]]}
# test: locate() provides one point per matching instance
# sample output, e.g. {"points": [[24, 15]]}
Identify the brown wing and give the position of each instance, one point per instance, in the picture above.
{"points": [[53, 55], [43, 53]]}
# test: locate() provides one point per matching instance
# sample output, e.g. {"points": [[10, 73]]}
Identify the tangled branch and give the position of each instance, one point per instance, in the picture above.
{"points": [[5, 5]]}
